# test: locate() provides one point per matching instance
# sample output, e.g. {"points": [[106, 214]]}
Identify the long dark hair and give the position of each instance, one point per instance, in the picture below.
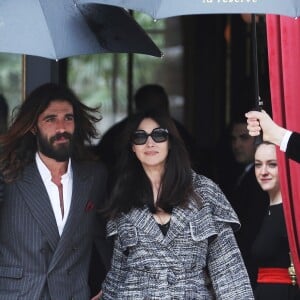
{"points": [[18, 145], [129, 185]]}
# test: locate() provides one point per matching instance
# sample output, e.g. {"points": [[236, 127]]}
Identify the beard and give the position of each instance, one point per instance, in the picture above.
{"points": [[60, 152]]}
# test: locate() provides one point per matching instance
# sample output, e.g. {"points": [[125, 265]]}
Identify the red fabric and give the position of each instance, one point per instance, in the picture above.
{"points": [[283, 35], [273, 275]]}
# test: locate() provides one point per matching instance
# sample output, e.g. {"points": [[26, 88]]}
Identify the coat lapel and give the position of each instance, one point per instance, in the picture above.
{"points": [[143, 220], [37, 199], [179, 220]]}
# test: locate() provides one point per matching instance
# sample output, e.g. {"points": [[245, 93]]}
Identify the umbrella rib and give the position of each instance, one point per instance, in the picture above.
{"points": [[55, 56]]}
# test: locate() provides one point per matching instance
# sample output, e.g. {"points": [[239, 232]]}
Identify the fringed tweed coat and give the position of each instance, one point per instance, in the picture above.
{"points": [[197, 259]]}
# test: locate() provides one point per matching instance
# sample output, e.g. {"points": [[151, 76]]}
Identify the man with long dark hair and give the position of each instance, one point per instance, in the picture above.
{"points": [[51, 192]]}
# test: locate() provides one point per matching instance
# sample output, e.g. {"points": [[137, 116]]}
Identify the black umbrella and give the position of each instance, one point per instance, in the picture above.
{"points": [[58, 29]]}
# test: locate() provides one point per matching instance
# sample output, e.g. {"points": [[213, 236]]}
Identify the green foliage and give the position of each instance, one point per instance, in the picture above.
{"points": [[96, 78], [11, 78]]}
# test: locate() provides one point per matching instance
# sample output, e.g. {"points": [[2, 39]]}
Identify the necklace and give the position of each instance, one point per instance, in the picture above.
{"points": [[272, 205], [274, 201]]}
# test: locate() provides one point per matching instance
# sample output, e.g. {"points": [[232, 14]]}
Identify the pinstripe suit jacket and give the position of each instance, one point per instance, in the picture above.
{"points": [[35, 262], [197, 259]]}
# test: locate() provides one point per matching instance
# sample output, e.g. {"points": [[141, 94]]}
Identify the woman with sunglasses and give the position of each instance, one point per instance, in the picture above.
{"points": [[172, 229]]}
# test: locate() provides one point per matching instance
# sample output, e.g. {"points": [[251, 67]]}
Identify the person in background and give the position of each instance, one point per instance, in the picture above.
{"points": [[240, 186], [148, 97], [3, 114], [276, 277], [288, 141], [173, 229], [51, 192]]}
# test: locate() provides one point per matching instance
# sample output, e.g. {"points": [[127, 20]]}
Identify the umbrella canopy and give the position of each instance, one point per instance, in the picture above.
{"points": [[58, 29], [167, 8]]}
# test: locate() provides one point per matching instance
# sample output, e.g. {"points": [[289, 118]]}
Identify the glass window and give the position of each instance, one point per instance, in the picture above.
{"points": [[168, 70], [109, 80], [11, 80], [100, 80]]}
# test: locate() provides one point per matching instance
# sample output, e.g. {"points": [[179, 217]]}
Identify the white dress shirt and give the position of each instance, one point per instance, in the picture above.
{"points": [[285, 140], [52, 189]]}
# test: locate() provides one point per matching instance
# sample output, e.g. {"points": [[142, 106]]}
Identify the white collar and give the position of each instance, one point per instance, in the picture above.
{"points": [[44, 171]]}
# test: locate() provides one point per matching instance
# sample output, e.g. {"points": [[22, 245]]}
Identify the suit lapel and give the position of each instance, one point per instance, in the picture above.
{"points": [[35, 195], [37, 199], [82, 183]]}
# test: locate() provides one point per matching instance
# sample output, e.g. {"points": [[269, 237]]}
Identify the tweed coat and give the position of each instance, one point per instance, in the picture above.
{"points": [[35, 262], [197, 259]]}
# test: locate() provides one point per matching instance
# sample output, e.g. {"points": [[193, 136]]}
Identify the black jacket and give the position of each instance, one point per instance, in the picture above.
{"points": [[293, 147]]}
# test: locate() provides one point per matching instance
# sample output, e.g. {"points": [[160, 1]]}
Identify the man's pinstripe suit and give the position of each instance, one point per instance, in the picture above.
{"points": [[35, 262]]}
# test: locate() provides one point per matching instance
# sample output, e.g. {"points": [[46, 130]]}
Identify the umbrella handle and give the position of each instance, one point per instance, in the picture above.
{"points": [[258, 106], [258, 100]]}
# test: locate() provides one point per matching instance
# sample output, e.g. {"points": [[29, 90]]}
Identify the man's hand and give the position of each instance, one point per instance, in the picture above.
{"points": [[261, 121]]}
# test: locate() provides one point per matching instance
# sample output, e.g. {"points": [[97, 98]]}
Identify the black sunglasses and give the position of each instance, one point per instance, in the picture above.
{"points": [[158, 135]]}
